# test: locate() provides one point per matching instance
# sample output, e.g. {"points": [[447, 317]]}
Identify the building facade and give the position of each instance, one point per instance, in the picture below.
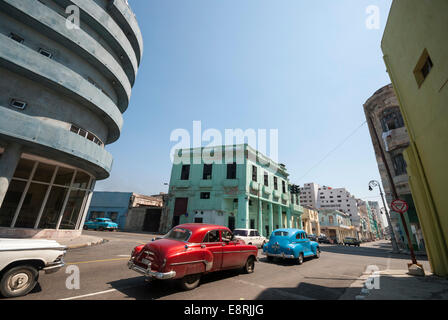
{"points": [[131, 211], [416, 58], [63, 89], [235, 186], [385, 121], [325, 197], [310, 220], [336, 225]]}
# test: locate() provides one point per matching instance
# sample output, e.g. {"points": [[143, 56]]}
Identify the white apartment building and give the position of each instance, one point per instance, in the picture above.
{"points": [[324, 197]]}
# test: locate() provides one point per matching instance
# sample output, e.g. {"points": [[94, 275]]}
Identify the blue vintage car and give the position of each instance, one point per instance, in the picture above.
{"points": [[290, 244], [101, 224]]}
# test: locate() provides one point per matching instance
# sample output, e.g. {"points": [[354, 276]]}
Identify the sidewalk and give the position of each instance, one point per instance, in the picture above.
{"points": [[398, 285], [80, 242]]}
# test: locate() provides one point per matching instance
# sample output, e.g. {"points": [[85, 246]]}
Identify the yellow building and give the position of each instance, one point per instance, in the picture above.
{"points": [[310, 220], [416, 55]]}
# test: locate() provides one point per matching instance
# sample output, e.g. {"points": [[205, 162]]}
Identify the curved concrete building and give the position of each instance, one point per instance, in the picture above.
{"points": [[63, 89]]}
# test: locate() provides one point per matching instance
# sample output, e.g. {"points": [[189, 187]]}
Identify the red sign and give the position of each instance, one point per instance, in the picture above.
{"points": [[399, 206]]}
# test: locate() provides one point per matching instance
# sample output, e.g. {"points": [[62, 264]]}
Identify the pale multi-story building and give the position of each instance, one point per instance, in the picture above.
{"points": [[336, 225], [310, 220], [324, 197]]}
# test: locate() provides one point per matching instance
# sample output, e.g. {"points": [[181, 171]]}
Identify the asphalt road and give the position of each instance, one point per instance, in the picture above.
{"points": [[103, 275]]}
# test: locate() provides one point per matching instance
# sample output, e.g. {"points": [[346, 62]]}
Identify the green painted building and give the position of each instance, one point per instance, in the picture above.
{"points": [[235, 186]]}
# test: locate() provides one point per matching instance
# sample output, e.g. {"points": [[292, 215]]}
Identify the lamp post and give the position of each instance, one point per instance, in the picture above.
{"points": [[373, 184]]}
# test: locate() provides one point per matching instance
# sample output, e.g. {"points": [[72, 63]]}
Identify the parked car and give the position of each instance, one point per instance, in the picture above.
{"points": [[323, 239], [349, 241], [290, 244], [22, 259], [101, 224], [250, 236], [190, 250], [312, 237]]}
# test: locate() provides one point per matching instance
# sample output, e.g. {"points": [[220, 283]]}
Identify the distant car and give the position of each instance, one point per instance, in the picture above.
{"points": [[350, 241], [290, 244], [323, 239], [190, 250], [101, 224], [312, 237], [250, 236], [22, 259]]}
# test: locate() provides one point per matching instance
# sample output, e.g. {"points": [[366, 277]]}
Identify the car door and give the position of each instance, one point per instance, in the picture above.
{"points": [[213, 243], [304, 242], [232, 255]]}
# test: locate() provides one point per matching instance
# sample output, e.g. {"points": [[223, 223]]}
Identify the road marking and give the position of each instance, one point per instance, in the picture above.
{"points": [[94, 261], [89, 295]]}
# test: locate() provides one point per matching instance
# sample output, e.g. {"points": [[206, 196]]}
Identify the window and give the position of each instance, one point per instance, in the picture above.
{"points": [[207, 173], [240, 232], [399, 164], [45, 53], [266, 179], [280, 233], [212, 236], [252, 233], [226, 236], [283, 186], [185, 174], [16, 37], [198, 220], [275, 183], [205, 195], [85, 134], [392, 119], [178, 234], [423, 68], [254, 173], [18, 104], [331, 219], [231, 170]]}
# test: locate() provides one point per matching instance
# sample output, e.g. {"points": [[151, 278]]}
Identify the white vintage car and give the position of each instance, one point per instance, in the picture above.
{"points": [[22, 259], [250, 236]]}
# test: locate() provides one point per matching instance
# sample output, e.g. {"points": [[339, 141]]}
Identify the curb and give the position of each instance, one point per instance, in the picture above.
{"points": [[87, 244]]}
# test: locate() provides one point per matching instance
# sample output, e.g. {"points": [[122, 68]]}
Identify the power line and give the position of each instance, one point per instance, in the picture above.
{"points": [[333, 150]]}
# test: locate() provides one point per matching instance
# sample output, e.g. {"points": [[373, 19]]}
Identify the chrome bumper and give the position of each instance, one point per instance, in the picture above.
{"points": [[279, 255], [53, 267], [151, 274]]}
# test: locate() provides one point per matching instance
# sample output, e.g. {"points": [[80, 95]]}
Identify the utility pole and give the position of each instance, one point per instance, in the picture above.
{"points": [[373, 184]]}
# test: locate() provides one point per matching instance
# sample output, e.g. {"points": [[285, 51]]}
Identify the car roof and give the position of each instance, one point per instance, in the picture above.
{"points": [[200, 229]]}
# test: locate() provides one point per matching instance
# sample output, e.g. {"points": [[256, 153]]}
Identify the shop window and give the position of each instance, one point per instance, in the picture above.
{"points": [[53, 208], [11, 202], [72, 209], [81, 180], [31, 205], [64, 176], [44, 172], [24, 169]]}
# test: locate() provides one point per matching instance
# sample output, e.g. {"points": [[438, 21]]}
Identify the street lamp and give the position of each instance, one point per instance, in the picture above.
{"points": [[373, 184]]}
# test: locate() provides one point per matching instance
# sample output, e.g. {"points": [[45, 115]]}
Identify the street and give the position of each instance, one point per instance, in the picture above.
{"points": [[105, 276]]}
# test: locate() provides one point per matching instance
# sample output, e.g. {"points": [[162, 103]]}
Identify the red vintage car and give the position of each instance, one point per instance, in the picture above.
{"points": [[190, 250]]}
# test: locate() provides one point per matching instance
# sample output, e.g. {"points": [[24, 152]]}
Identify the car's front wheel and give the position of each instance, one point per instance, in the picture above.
{"points": [[249, 267], [18, 281], [190, 281]]}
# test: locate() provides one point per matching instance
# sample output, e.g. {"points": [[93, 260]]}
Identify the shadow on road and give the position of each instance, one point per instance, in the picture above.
{"points": [[138, 288], [306, 290], [380, 250]]}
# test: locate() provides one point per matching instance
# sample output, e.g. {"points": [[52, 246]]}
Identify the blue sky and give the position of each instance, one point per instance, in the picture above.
{"points": [[302, 67]]}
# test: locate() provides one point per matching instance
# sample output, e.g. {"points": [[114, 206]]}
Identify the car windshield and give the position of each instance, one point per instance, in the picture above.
{"points": [[180, 234], [242, 233]]}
